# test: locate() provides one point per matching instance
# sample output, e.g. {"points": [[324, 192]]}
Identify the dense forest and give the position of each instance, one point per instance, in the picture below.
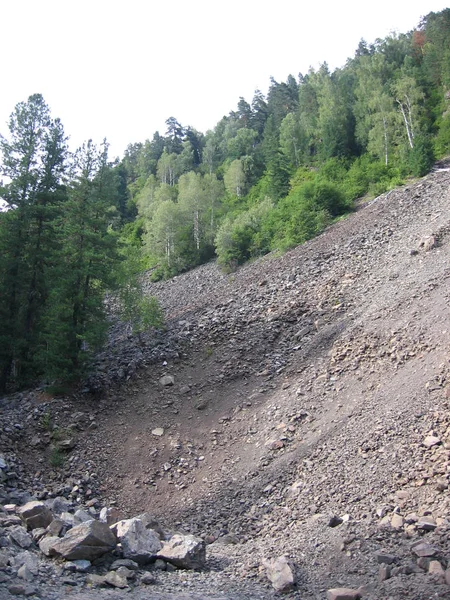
{"points": [[273, 173]]}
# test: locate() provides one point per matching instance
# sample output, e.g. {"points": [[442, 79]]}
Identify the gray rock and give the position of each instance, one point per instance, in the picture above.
{"points": [[138, 543], [184, 552], [280, 573], [167, 380], [35, 514], [25, 573], [87, 541], [114, 579], [148, 579], [20, 536], [426, 523], [81, 516], [110, 515], [47, 544], [124, 562], [423, 549]]}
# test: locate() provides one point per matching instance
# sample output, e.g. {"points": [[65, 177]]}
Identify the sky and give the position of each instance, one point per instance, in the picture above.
{"points": [[120, 69]]}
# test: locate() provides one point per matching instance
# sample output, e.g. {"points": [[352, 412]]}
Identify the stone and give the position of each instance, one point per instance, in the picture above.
{"points": [[28, 559], [343, 594], [447, 576], [158, 432], [110, 515], [95, 580], [148, 579], [435, 568], [430, 441], [35, 514], [114, 579], [82, 566], [55, 528], [335, 521], [87, 541], [397, 521], [126, 573], [19, 536], [25, 573], [384, 573], [81, 516], [423, 549], [46, 545], [280, 573], [384, 558], [124, 562], [426, 523], [138, 543], [167, 380], [428, 242], [184, 552]]}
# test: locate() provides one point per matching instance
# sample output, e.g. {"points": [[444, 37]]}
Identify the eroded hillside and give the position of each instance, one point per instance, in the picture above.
{"points": [[298, 406]]}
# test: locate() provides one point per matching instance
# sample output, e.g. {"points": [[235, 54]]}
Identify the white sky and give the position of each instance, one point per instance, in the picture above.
{"points": [[120, 69]]}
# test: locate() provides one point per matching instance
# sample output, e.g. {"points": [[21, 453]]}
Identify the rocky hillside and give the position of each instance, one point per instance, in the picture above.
{"points": [[297, 408]]}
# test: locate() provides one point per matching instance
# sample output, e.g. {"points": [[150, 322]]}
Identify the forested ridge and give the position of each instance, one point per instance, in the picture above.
{"points": [[271, 174]]}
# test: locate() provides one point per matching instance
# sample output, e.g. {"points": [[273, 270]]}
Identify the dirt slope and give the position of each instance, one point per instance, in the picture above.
{"points": [[304, 388]]}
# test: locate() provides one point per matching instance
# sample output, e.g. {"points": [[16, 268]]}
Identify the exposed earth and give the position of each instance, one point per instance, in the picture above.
{"points": [[297, 407]]}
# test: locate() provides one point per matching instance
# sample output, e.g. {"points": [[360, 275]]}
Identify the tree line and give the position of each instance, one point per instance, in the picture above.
{"points": [[271, 174]]}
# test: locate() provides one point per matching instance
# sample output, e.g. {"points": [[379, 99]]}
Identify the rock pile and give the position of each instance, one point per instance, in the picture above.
{"points": [[89, 552]]}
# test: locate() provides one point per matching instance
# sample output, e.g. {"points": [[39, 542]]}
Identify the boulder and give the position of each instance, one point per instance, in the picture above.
{"points": [[280, 573], [138, 543], [35, 514], [87, 541], [184, 552]]}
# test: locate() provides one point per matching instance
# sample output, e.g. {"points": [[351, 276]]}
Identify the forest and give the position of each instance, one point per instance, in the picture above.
{"points": [[80, 229]]}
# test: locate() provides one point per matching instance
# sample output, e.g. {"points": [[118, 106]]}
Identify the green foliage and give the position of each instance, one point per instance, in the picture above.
{"points": [[56, 458], [442, 140], [421, 157], [236, 239]]}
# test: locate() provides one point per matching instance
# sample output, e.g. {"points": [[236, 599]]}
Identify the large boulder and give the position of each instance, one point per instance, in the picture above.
{"points": [[184, 552], [35, 514], [87, 541], [138, 543]]}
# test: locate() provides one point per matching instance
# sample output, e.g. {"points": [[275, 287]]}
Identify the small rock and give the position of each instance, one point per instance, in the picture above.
{"points": [[426, 523], [114, 579], [148, 579], [159, 431], [435, 568], [110, 515], [124, 562], [423, 549], [95, 580], [385, 558], [280, 573], [384, 573], [430, 441], [397, 521], [25, 573], [167, 380], [335, 521], [343, 594]]}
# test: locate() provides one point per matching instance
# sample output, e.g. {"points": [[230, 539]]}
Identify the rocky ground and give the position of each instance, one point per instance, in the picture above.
{"points": [[297, 408]]}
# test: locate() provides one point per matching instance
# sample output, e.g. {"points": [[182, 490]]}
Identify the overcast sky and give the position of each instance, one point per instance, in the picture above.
{"points": [[120, 69]]}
